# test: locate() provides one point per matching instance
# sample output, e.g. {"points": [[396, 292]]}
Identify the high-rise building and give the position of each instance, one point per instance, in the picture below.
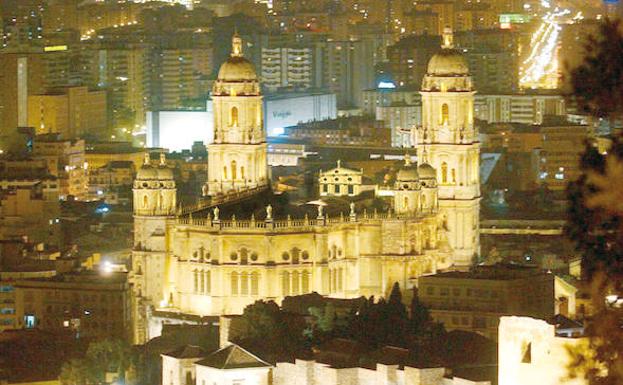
{"points": [[518, 108], [349, 69], [409, 56], [72, 112], [21, 75], [65, 159], [175, 76], [288, 67], [123, 73]]}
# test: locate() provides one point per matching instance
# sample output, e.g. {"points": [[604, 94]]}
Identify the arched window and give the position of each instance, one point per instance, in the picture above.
{"points": [[242, 172], [196, 276], [234, 283], [224, 172], [208, 282], [406, 202], [295, 255], [145, 202], [445, 114], [340, 279], [244, 256], [202, 282], [305, 282], [444, 172], [234, 173], [244, 284], [453, 176], [285, 283], [295, 283], [233, 117], [255, 283]]}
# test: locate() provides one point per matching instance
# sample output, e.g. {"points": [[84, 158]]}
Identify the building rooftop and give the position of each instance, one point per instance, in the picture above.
{"points": [[498, 272], [84, 277], [187, 351], [233, 357]]}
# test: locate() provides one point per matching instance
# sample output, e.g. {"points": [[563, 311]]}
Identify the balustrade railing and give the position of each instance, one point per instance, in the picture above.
{"points": [[299, 223]]}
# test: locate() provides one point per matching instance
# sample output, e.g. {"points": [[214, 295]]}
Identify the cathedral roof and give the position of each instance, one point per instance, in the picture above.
{"points": [[408, 172], [237, 68], [448, 61], [150, 172], [426, 171], [147, 172], [233, 357]]}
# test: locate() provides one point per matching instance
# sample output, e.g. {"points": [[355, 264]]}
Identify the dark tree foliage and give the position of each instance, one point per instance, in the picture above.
{"points": [[380, 323], [596, 211], [109, 355], [595, 230], [270, 332], [598, 82]]}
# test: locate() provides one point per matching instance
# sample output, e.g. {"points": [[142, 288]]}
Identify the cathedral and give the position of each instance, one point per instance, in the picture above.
{"points": [[200, 262]]}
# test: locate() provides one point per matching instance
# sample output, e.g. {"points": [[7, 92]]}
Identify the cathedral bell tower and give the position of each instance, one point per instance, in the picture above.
{"points": [[450, 140], [154, 194], [237, 157]]}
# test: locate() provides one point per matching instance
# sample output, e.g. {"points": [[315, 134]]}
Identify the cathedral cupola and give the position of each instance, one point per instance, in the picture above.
{"points": [[447, 69], [237, 75], [154, 189], [407, 189]]}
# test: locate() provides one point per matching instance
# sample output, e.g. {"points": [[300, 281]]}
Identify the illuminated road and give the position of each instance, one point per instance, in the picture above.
{"points": [[540, 68]]}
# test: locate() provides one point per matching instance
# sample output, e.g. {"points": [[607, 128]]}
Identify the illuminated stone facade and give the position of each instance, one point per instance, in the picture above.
{"points": [[448, 140], [340, 181], [531, 352], [237, 157], [197, 262]]}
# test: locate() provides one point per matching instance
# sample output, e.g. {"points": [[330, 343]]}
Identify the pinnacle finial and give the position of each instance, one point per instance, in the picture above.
{"points": [[407, 159], [146, 159], [448, 38], [236, 45], [163, 159]]}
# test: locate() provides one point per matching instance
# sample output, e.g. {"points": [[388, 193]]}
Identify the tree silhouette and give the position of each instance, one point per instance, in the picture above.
{"points": [[598, 82], [595, 217]]}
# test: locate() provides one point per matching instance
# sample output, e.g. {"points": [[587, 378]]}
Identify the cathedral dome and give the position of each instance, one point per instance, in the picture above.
{"points": [[409, 174], [151, 172], [448, 69], [448, 62], [237, 68], [147, 172], [426, 171], [165, 173]]}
